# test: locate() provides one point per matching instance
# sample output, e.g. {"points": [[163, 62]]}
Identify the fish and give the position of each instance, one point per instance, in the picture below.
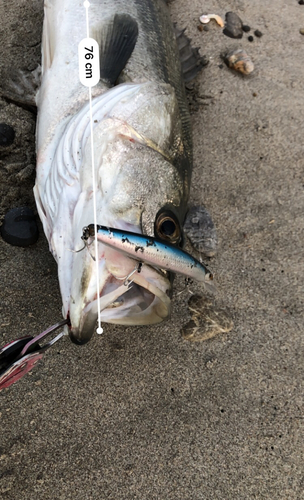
{"points": [[142, 148]]}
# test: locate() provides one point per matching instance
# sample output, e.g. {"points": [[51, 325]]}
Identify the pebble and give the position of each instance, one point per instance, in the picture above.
{"points": [[200, 230], [301, 2], [239, 61], [19, 227], [258, 33], [246, 28], [233, 26], [302, 31], [7, 135], [250, 38]]}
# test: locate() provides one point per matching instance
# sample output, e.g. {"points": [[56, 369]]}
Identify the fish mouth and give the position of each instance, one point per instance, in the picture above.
{"points": [[132, 293], [136, 305]]}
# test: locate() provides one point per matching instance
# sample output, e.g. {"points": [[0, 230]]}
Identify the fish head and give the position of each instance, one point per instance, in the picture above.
{"points": [[147, 204], [141, 186]]}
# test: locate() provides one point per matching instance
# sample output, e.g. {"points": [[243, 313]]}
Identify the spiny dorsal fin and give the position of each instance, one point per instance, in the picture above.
{"points": [[190, 58], [116, 46]]}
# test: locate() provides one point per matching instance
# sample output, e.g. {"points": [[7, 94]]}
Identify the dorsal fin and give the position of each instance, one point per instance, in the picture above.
{"points": [[117, 43], [190, 58]]}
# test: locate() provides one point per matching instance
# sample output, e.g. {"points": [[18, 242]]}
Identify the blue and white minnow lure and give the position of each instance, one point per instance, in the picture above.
{"points": [[150, 250]]}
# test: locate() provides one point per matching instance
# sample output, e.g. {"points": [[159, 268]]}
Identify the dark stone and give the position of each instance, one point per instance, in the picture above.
{"points": [[250, 38], [258, 33], [246, 28], [7, 135], [301, 2], [200, 230], [234, 26], [19, 227]]}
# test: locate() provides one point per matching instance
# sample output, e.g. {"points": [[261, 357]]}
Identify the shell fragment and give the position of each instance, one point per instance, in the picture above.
{"points": [[205, 18], [240, 61]]}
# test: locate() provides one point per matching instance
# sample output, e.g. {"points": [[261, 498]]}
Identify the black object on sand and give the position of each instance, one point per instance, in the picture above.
{"points": [[19, 227]]}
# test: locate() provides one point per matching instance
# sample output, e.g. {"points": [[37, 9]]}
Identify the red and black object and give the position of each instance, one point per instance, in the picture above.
{"points": [[19, 356]]}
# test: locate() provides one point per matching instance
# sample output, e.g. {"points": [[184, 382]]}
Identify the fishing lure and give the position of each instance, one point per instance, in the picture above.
{"points": [[149, 250]]}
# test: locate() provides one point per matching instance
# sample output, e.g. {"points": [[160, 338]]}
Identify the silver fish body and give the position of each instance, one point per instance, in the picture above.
{"points": [[142, 149]]}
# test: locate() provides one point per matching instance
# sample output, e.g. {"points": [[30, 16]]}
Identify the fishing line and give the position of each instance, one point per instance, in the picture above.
{"points": [[89, 75]]}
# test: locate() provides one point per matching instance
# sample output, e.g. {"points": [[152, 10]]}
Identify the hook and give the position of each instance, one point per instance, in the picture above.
{"points": [[127, 282], [84, 238]]}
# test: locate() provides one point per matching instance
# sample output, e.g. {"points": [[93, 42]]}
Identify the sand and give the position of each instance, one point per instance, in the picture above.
{"points": [[142, 413]]}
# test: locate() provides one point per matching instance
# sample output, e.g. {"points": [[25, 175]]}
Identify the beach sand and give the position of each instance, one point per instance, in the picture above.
{"points": [[142, 413]]}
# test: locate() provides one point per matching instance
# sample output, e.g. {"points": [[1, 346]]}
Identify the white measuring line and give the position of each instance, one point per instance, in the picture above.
{"points": [[89, 73]]}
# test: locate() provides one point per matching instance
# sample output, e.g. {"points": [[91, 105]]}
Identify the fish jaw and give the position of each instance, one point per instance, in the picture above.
{"points": [[130, 294]]}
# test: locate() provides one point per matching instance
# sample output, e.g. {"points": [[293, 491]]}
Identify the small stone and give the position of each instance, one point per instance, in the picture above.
{"points": [[200, 230], [250, 38], [246, 28], [206, 28], [7, 135], [302, 31], [233, 26], [19, 227], [200, 27], [258, 33], [301, 2], [239, 61]]}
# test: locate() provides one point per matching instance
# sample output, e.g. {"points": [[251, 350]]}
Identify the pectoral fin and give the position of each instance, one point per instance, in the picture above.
{"points": [[117, 40]]}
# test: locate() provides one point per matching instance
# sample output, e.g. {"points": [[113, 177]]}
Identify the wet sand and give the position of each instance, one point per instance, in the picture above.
{"points": [[141, 413]]}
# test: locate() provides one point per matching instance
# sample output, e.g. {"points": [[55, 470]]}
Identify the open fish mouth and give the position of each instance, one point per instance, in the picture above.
{"points": [[135, 301], [136, 272], [132, 294]]}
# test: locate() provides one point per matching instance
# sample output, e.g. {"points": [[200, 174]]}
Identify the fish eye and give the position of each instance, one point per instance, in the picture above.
{"points": [[167, 227]]}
